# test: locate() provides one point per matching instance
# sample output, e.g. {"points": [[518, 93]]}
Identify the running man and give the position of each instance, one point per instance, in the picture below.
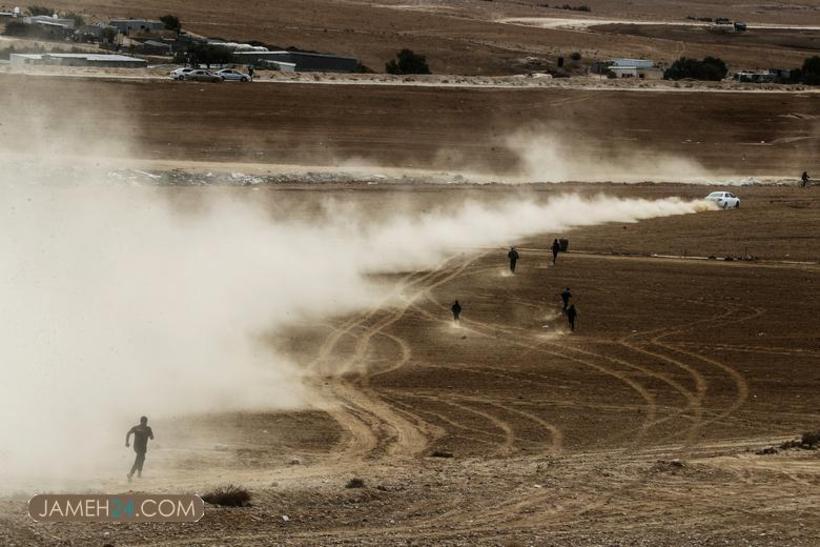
{"points": [[556, 248], [565, 296], [572, 313], [456, 309], [141, 434], [513, 256]]}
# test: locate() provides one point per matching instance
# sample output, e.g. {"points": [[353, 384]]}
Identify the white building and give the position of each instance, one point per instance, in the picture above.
{"points": [[77, 59]]}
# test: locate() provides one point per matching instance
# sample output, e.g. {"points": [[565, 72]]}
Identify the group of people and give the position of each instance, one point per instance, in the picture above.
{"points": [[568, 309]]}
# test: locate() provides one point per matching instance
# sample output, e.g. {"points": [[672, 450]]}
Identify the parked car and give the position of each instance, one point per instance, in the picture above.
{"points": [[724, 200], [200, 75], [178, 73], [233, 75]]}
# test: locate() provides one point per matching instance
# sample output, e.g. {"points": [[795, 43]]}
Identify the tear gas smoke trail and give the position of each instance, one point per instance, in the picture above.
{"points": [[115, 304]]}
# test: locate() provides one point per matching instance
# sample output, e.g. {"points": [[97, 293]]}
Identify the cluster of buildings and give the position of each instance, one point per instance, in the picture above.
{"points": [[146, 37]]}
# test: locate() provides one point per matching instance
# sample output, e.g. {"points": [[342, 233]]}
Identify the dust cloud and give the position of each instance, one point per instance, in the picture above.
{"points": [[546, 155], [116, 303]]}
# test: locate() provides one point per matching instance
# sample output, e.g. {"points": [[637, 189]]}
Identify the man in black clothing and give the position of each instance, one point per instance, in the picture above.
{"points": [[556, 247], [804, 180], [456, 309], [513, 256], [141, 434], [572, 313], [565, 296]]}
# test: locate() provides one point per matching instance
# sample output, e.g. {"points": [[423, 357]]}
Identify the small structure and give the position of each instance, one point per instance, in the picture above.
{"points": [[77, 59], [129, 26], [92, 33], [740, 26], [773, 75], [153, 47], [642, 69], [302, 61], [49, 20]]}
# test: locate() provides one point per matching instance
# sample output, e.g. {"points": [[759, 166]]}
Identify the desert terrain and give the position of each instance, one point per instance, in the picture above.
{"points": [[267, 270], [475, 37], [643, 427]]}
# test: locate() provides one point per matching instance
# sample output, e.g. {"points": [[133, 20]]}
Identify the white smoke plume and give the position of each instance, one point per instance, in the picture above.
{"points": [[116, 303]]}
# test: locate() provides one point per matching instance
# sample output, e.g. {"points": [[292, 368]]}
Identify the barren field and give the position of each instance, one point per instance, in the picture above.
{"points": [[539, 134], [467, 36], [641, 428]]}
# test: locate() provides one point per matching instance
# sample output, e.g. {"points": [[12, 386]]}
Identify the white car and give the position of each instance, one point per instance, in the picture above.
{"points": [[725, 200], [233, 75], [200, 75], [180, 72]]}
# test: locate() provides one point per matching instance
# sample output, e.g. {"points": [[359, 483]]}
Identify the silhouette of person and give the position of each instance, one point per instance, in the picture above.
{"points": [[572, 313], [513, 256], [556, 248], [804, 179], [250, 72], [565, 296], [456, 309], [141, 434]]}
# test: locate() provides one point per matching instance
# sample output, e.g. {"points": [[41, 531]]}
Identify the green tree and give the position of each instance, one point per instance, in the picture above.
{"points": [[709, 69], [78, 19], [171, 22], [810, 73], [407, 62]]}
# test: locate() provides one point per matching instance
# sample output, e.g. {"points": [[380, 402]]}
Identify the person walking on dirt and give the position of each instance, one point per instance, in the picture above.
{"points": [[565, 296], [804, 180], [572, 313], [141, 434], [456, 309], [556, 248], [513, 256], [250, 72]]}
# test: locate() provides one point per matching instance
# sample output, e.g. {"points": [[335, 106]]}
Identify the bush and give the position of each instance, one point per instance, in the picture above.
{"points": [[355, 483], [40, 10], [810, 438], [575, 56], [171, 22], [229, 496], [204, 54], [709, 69], [78, 19], [18, 28], [810, 73], [407, 62]]}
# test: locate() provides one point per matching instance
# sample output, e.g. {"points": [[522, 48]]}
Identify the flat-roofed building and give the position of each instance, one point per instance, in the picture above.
{"points": [[77, 59]]}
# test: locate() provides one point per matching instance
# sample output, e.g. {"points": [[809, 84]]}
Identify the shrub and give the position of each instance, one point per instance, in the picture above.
{"points": [[355, 483], [78, 19], [810, 438], [810, 73], [171, 22], [709, 69], [18, 28], [228, 496], [407, 62], [40, 10], [575, 56]]}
